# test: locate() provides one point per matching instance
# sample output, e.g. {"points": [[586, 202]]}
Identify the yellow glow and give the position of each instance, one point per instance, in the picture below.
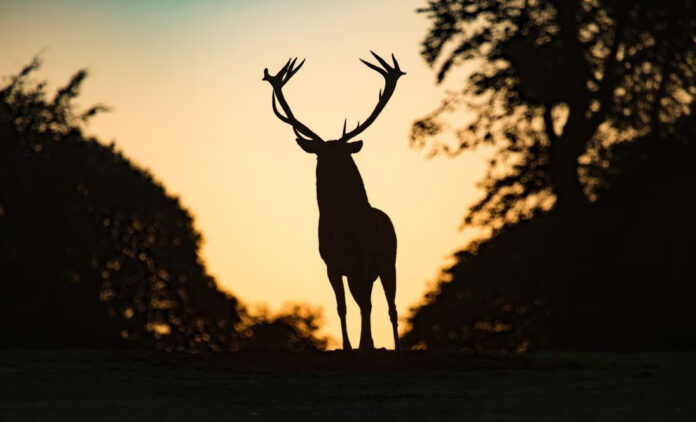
{"points": [[184, 82]]}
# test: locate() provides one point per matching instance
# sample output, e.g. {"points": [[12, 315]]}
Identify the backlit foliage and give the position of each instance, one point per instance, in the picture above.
{"points": [[556, 82], [587, 107], [93, 251]]}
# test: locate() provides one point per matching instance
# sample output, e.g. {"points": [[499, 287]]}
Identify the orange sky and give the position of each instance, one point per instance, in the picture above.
{"points": [[184, 81]]}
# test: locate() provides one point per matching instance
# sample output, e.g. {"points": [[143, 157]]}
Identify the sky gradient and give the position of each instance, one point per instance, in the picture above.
{"points": [[183, 79]]}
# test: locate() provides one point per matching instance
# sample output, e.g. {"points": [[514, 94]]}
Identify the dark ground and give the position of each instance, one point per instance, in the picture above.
{"points": [[135, 386]]}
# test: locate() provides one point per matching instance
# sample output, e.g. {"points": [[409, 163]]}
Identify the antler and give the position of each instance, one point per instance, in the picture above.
{"points": [[277, 81], [391, 74]]}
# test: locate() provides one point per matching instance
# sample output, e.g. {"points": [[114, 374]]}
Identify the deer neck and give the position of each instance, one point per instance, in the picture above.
{"points": [[339, 186]]}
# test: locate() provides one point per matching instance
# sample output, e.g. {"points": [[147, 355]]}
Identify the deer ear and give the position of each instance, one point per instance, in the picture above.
{"points": [[307, 146], [354, 147]]}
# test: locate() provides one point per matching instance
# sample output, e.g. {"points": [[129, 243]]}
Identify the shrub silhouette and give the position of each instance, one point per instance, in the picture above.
{"points": [[294, 328]]}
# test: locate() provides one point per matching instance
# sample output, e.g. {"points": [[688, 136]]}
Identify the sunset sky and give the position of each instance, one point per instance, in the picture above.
{"points": [[183, 79]]}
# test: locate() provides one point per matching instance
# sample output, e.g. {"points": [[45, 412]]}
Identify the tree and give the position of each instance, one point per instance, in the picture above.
{"points": [[93, 251], [558, 81], [587, 105], [630, 286]]}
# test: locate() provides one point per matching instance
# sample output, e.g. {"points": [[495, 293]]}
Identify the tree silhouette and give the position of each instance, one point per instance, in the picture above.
{"points": [[95, 253], [557, 82], [628, 285], [588, 107]]}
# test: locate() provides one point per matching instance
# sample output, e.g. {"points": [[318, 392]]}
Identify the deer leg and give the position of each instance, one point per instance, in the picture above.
{"points": [[337, 284], [388, 278], [361, 289], [366, 342]]}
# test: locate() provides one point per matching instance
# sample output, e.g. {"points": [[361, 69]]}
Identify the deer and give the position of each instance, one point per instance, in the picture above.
{"points": [[356, 240]]}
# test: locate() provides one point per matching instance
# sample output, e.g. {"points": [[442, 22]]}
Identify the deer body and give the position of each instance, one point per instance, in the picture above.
{"points": [[355, 240]]}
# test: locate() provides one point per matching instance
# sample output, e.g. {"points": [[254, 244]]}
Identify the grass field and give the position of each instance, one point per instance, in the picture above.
{"points": [[144, 386]]}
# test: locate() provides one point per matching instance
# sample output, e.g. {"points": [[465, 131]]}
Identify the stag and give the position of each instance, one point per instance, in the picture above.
{"points": [[355, 239]]}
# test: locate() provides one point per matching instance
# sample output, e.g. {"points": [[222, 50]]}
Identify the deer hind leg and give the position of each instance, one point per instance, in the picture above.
{"points": [[388, 279], [361, 289], [336, 280]]}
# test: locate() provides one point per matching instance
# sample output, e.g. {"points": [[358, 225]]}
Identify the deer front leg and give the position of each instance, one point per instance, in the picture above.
{"points": [[361, 289], [337, 284], [366, 342]]}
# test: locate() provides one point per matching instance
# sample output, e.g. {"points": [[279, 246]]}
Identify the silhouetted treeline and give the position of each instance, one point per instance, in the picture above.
{"points": [[625, 283], [93, 251], [590, 193]]}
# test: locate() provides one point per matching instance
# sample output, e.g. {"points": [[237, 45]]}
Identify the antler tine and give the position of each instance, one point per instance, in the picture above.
{"points": [[282, 72], [344, 126], [277, 82], [380, 60], [299, 135], [375, 68], [293, 69], [396, 65], [287, 66], [391, 76], [287, 70]]}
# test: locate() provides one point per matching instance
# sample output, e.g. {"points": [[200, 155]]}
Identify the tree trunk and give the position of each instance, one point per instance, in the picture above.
{"points": [[564, 155], [570, 209]]}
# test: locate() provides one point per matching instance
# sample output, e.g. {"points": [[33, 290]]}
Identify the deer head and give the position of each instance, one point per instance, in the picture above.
{"points": [[305, 137]]}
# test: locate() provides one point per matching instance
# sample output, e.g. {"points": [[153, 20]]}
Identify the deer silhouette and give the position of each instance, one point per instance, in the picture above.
{"points": [[355, 239]]}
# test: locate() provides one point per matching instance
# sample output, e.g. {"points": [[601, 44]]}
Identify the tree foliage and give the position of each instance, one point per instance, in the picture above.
{"points": [[294, 328], [95, 253], [588, 108], [556, 83], [624, 281]]}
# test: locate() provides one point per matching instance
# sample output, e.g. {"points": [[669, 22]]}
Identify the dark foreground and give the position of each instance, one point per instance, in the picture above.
{"points": [[135, 386]]}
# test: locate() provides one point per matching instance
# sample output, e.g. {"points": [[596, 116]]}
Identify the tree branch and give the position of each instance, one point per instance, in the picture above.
{"points": [[548, 124], [606, 87]]}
